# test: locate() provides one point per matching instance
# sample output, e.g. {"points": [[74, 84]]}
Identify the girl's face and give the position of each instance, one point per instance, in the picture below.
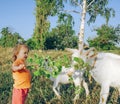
{"points": [[23, 53]]}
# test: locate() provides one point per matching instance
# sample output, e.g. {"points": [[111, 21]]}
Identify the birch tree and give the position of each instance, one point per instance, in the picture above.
{"points": [[93, 8]]}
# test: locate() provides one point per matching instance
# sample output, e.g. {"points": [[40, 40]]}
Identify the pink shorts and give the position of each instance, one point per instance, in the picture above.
{"points": [[19, 96]]}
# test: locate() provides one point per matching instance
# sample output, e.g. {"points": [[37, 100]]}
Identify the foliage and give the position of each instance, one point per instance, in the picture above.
{"points": [[107, 38], [117, 33], [80, 64], [63, 35], [44, 8], [95, 8], [9, 39], [99, 7], [32, 44], [59, 39], [43, 65]]}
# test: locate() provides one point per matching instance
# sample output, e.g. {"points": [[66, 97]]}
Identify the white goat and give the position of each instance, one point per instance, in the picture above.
{"points": [[106, 70], [64, 78]]}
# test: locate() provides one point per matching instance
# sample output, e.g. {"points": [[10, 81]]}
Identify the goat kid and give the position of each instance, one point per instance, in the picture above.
{"points": [[64, 78]]}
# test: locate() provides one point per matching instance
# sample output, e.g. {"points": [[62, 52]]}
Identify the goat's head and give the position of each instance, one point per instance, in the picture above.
{"points": [[75, 54]]}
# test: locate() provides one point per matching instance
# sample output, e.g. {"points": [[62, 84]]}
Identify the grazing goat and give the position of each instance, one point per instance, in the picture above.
{"points": [[64, 78], [105, 70]]}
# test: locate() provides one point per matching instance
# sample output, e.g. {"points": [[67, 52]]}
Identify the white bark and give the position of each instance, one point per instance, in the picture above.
{"points": [[82, 27]]}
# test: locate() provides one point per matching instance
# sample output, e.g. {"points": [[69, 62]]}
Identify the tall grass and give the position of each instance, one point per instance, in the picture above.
{"points": [[41, 91]]}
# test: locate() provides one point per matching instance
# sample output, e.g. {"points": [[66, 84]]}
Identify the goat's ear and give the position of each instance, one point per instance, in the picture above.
{"points": [[70, 50], [86, 48]]}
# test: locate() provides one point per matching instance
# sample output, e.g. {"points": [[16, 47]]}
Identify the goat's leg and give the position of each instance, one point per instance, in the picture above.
{"points": [[55, 91], [77, 88], [58, 88], [119, 91], [77, 83], [86, 88], [104, 93]]}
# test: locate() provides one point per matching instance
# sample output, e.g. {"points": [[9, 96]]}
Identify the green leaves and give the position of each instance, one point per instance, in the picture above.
{"points": [[9, 39], [106, 38], [63, 34], [80, 64], [99, 7], [46, 66]]}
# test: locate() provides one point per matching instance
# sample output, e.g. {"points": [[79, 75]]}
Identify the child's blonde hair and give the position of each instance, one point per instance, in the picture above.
{"points": [[17, 49]]}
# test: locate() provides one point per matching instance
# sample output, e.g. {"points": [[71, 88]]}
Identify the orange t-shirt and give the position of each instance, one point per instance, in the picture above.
{"points": [[22, 78]]}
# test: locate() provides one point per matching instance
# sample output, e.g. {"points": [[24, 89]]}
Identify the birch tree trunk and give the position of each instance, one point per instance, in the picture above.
{"points": [[82, 27]]}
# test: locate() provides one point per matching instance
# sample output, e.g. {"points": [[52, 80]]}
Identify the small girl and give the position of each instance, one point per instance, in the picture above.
{"points": [[21, 74]]}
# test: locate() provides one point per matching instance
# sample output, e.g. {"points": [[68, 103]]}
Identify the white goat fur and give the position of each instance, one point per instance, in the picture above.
{"points": [[63, 78], [106, 71]]}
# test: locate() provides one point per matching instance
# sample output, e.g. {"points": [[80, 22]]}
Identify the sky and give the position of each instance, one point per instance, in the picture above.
{"points": [[19, 16]]}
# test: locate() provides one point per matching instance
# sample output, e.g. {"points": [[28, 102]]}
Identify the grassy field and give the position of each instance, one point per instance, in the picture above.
{"points": [[41, 91]]}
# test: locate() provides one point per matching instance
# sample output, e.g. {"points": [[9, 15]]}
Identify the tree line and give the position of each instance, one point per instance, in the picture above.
{"points": [[107, 38]]}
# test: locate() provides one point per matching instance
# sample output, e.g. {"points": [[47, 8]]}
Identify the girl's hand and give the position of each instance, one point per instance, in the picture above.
{"points": [[21, 66]]}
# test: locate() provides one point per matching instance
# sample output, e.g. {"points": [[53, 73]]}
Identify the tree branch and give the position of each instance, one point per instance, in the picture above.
{"points": [[77, 3], [90, 3], [89, 9]]}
